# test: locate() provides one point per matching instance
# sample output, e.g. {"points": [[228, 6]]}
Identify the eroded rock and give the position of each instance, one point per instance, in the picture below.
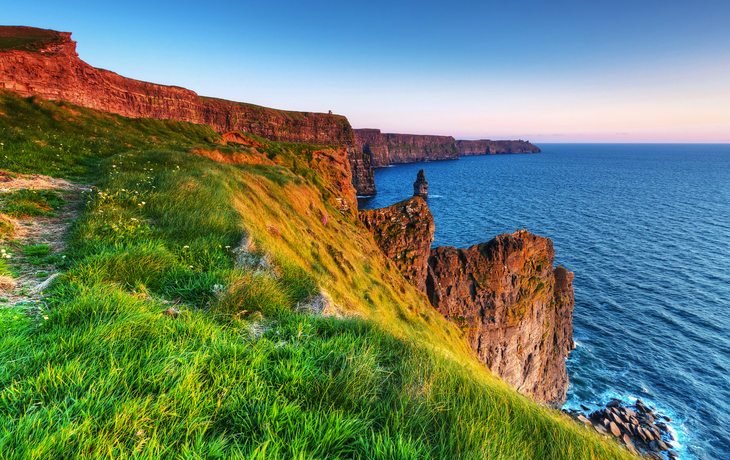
{"points": [[515, 309]]}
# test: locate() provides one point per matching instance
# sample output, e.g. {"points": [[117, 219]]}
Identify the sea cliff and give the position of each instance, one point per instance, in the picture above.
{"points": [[514, 308], [47, 65], [385, 149]]}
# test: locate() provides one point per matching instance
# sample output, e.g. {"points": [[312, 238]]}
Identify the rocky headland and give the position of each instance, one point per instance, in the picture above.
{"points": [[514, 308], [490, 147], [386, 149]]}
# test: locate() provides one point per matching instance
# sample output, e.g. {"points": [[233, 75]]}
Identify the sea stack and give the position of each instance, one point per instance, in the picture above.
{"points": [[420, 187]]}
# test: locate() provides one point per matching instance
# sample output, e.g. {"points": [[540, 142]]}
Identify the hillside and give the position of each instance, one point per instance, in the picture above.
{"points": [[40, 62], [222, 300]]}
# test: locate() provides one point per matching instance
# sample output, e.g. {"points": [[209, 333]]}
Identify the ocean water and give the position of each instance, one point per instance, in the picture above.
{"points": [[646, 229]]}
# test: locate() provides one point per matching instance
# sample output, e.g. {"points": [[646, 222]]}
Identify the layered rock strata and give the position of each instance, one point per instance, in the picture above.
{"points": [[404, 232], [385, 149], [514, 308], [489, 147], [45, 63]]}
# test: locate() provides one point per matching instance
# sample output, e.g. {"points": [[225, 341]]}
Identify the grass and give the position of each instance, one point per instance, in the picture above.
{"points": [[7, 229], [30, 203], [239, 373]]}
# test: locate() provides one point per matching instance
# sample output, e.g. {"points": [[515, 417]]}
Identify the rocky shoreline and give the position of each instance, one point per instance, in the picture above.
{"points": [[642, 429]]}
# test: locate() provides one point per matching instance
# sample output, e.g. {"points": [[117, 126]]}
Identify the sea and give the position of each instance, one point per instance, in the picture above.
{"points": [[646, 230]]}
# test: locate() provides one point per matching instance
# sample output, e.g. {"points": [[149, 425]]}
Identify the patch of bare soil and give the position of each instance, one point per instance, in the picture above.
{"points": [[26, 287]]}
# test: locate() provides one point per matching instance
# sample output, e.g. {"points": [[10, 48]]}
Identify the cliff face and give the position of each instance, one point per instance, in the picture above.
{"points": [[363, 178], [386, 149], [50, 67], [404, 232], [489, 147], [515, 308]]}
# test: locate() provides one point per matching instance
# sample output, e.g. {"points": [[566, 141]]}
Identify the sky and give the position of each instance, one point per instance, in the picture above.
{"points": [[557, 71]]}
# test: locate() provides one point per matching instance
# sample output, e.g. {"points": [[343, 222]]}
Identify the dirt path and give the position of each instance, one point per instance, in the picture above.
{"points": [[26, 286]]}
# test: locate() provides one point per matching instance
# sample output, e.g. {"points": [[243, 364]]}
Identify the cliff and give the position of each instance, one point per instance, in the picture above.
{"points": [[45, 63], [404, 232], [489, 147], [514, 308], [385, 149]]}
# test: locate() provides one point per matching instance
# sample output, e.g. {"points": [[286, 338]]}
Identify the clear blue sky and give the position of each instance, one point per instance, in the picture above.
{"points": [[547, 71]]}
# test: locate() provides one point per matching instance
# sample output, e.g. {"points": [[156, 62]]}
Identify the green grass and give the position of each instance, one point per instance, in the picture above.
{"points": [[6, 227], [239, 374], [30, 203]]}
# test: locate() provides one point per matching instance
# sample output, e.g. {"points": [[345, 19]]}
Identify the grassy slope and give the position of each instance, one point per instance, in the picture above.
{"points": [[238, 375]]}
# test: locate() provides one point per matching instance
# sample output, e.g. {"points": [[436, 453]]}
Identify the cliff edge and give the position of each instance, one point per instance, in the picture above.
{"points": [[40, 62]]}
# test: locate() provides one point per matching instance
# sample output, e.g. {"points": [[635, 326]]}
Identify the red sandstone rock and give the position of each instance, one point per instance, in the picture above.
{"points": [[50, 67], [404, 232], [489, 147], [387, 148], [515, 309]]}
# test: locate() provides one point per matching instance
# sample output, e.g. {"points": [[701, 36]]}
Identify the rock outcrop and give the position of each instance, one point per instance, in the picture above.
{"points": [[516, 310], [489, 147], [420, 187], [45, 63], [386, 149], [404, 232]]}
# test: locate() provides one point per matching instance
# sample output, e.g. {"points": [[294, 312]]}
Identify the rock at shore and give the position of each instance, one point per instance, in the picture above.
{"points": [[634, 427], [420, 187]]}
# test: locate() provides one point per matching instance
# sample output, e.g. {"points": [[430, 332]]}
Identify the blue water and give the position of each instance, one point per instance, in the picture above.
{"points": [[646, 229]]}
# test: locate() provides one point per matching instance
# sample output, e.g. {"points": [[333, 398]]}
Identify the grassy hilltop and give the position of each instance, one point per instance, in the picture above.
{"points": [[215, 302]]}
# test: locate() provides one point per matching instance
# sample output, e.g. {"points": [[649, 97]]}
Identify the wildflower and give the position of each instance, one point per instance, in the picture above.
{"points": [[45, 317], [114, 166], [186, 247]]}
